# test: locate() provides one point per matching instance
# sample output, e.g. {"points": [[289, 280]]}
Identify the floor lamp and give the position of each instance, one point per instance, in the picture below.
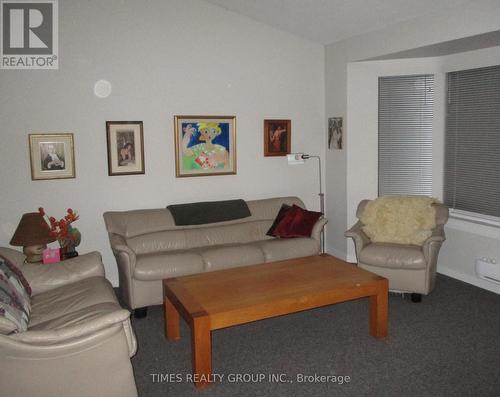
{"points": [[300, 158]]}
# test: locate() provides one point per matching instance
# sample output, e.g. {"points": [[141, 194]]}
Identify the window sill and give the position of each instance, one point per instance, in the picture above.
{"points": [[476, 224]]}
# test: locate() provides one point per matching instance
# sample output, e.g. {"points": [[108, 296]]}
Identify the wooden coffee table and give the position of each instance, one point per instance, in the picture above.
{"points": [[214, 300]]}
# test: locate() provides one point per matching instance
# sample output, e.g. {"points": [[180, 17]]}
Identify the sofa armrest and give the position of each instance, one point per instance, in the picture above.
{"points": [[72, 360], [119, 246], [318, 227], [88, 327], [432, 245], [358, 235], [46, 277], [436, 236]]}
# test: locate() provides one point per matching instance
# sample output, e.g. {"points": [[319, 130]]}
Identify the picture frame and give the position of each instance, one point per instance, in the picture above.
{"points": [[125, 140], [277, 137], [205, 145], [335, 133], [52, 156]]}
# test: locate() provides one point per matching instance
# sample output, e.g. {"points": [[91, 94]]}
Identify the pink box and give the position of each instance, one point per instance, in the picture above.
{"points": [[51, 255]]}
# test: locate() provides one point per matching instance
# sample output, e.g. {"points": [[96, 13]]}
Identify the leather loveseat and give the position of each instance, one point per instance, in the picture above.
{"points": [[79, 340], [149, 247]]}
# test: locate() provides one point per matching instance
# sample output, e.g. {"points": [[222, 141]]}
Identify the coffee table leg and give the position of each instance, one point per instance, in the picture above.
{"points": [[202, 350], [172, 323], [378, 314]]}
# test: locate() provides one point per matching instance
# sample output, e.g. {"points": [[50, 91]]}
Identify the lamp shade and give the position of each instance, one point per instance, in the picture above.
{"points": [[32, 230]]}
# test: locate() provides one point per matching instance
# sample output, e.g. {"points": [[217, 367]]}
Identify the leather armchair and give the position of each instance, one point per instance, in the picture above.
{"points": [[79, 340], [409, 268]]}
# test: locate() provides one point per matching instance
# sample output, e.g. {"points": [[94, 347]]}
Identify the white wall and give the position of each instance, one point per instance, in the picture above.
{"points": [[466, 241], [163, 58], [472, 18]]}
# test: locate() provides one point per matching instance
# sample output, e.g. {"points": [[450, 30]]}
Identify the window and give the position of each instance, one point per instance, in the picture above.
{"points": [[405, 135], [472, 142]]}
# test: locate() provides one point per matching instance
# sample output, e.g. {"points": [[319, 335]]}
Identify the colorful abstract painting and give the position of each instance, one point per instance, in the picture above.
{"points": [[205, 145]]}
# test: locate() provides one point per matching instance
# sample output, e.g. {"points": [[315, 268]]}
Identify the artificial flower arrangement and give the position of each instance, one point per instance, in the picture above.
{"points": [[69, 237]]}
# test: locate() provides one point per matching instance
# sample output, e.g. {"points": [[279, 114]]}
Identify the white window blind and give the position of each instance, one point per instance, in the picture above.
{"points": [[405, 135], [472, 154]]}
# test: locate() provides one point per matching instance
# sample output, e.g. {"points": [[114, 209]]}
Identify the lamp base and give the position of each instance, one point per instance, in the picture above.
{"points": [[34, 252]]}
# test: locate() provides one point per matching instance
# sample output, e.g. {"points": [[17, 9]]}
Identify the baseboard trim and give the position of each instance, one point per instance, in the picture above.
{"points": [[337, 253], [467, 278]]}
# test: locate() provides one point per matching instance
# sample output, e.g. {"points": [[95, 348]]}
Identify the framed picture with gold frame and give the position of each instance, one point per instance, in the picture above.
{"points": [[52, 156], [205, 145]]}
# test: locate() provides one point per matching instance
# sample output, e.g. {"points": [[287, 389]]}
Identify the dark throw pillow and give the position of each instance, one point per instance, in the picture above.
{"points": [[281, 214], [297, 222]]}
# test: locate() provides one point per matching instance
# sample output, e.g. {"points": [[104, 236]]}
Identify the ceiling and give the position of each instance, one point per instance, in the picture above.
{"points": [[328, 21]]}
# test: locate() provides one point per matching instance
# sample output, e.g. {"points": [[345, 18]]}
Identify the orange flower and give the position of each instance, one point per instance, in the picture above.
{"points": [[59, 229]]}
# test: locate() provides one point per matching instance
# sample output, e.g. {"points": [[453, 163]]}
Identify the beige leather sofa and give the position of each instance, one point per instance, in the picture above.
{"points": [[149, 247], [409, 268], [79, 340]]}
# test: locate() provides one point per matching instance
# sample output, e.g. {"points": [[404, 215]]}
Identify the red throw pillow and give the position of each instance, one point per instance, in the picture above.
{"points": [[281, 214], [297, 222]]}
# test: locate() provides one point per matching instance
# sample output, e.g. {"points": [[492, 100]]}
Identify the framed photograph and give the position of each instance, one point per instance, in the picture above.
{"points": [[125, 147], [52, 156], [277, 137], [205, 145], [335, 133]]}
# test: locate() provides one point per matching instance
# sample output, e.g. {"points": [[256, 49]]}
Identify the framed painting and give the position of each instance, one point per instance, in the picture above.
{"points": [[277, 137], [52, 156], [335, 133], [125, 147], [205, 145]]}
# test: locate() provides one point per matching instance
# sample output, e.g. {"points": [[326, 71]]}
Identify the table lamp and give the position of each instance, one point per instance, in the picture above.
{"points": [[33, 234]]}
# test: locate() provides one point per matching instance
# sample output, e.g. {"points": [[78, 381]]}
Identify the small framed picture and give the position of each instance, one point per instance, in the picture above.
{"points": [[125, 147], [277, 137], [205, 145], [335, 133], [52, 156]]}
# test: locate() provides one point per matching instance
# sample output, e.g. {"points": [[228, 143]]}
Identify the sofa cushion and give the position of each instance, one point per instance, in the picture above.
{"points": [[297, 222], [281, 214], [280, 249], [162, 265], [200, 236], [64, 301], [15, 301], [138, 222], [394, 256], [225, 256]]}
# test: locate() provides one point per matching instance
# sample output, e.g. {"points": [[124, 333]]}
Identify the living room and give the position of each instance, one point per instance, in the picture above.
{"points": [[159, 59]]}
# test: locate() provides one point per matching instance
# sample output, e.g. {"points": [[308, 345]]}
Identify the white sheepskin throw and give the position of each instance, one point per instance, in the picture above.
{"points": [[399, 219]]}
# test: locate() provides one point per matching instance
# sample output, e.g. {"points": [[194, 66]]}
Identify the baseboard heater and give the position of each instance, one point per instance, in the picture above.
{"points": [[488, 270]]}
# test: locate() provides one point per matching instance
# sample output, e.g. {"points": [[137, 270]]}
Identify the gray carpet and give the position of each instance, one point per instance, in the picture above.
{"points": [[447, 345]]}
